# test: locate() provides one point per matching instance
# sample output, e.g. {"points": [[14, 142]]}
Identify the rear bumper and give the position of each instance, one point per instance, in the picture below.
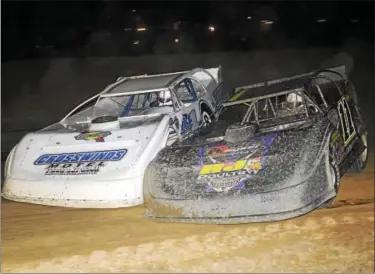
{"points": [[276, 205], [81, 194]]}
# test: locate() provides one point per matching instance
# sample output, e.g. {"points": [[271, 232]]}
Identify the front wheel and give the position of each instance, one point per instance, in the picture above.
{"points": [[334, 174], [206, 118]]}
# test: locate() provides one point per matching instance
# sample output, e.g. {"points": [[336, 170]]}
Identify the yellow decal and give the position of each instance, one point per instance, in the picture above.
{"points": [[237, 95], [98, 136], [92, 135], [252, 164]]}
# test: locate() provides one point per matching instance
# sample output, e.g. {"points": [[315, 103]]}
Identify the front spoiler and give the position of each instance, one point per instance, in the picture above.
{"points": [[83, 193], [74, 203], [271, 217], [276, 205]]}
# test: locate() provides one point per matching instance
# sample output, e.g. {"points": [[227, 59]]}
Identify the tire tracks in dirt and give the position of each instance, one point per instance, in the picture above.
{"points": [[337, 239], [293, 245]]}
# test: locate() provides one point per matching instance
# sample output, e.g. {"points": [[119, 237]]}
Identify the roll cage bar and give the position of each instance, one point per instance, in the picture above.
{"points": [[253, 105], [312, 80]]}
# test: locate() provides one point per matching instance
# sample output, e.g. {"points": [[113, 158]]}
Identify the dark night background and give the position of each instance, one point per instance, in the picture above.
{"points": [[46, 29], [57, 54]]}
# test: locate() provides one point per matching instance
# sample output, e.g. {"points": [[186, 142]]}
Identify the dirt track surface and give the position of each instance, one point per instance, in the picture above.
{"points": [[47, 239]]}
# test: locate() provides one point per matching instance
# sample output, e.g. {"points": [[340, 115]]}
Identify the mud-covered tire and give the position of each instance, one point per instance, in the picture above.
{"points": [[360, 163], [335, 173], [146, 191]]}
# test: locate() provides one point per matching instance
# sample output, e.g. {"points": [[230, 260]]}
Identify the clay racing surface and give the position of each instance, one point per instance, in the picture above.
{"points": [[48, 239]]}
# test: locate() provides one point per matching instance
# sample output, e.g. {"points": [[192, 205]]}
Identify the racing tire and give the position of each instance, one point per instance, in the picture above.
{"points": [[335, 174], [360, 163], [206, 118]]}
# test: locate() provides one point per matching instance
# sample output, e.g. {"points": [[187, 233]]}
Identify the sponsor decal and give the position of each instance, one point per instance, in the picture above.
{"points": [[225, 176], [217, 150], [230, 167], [221, 152], [250, 166], [98, 136], [78, 163], [224, 153], [187, 123], [74, 169]]}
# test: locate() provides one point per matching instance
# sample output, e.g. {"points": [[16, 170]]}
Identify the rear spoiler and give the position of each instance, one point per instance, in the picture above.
{"points": [[216, 73], [150, 75], [334, 73]]}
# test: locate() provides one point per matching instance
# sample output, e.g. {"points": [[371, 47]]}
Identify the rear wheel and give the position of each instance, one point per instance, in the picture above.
{"points": [[360, 163]]}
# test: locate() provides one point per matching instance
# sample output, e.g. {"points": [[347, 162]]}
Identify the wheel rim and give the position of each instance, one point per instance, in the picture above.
{"points": [[364, 153], [206, 119]]}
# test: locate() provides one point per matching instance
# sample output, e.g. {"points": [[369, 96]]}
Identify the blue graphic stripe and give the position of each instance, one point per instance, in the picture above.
{"points": [[128, 106], [81, 157]]}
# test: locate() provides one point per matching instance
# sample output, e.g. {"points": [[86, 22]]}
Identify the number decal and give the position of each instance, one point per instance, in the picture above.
{"points": [[187, 123]]}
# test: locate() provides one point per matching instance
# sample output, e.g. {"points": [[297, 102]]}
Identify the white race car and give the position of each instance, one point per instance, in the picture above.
{"points": [[96, 156]]}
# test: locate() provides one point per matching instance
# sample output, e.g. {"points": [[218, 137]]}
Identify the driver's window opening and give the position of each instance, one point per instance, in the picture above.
{"points": [[291, 105], [183, 93], [198, 87], [124, 105], [316, 93], [163, 98]]}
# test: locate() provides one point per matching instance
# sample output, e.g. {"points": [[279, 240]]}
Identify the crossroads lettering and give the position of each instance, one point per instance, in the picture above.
{"points": [[79, 163]]}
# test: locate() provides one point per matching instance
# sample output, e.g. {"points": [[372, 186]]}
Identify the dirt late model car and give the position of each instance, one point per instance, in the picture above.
{"points": [[277, 151], [97, 154]]}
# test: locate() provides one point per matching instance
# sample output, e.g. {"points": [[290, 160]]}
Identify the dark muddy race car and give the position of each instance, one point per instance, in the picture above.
{"points": [[278, 151]]}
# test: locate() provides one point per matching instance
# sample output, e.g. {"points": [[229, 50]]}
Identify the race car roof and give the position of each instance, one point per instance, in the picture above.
{"points": [[262, 89], [267, 88], [151, 82]]}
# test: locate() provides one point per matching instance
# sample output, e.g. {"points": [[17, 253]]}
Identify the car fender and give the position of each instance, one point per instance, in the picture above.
{"points": [[203, 103], [9, 162], [157, 142]]}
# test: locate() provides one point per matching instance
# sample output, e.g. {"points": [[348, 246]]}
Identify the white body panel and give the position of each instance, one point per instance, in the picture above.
{"points": [[81, 163]]}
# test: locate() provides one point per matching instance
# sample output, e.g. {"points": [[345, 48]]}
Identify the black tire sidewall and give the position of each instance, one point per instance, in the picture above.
{"points": [[203, 113], [333, 164]]}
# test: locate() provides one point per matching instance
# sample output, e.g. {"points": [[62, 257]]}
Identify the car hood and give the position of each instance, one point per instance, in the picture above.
{"points": [[105, 154], [262, 163]]}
